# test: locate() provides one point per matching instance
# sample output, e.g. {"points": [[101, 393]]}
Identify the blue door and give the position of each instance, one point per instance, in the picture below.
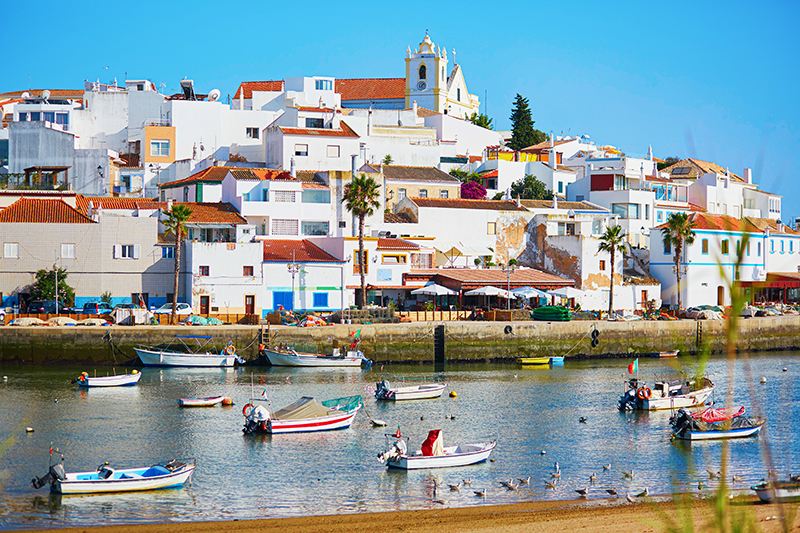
{"points": [[282, 298]]}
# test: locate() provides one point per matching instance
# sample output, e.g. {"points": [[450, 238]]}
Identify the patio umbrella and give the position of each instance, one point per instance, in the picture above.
{"points": [[491, 291], [530, 292], [433, 290], [567, 292]]}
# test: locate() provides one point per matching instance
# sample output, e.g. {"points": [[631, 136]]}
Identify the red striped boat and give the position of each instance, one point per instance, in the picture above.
{"points": [[303, 416]]}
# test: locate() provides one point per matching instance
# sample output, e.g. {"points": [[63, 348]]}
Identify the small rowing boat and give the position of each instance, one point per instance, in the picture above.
{"points": [[433, 454], [713, 424], [182, 354], [303, 416], [121, 380], [781, 491], [555, 360], [385, 391], [208, 401]]}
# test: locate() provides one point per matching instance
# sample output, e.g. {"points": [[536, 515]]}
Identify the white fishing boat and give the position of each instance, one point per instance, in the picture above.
{"points": [[780, 491], [181, 354], [665, 394], [106, 479], [714, 424], [385, 391], [209, 401], [303, 416], [120, 380], [291, 357], [433, 454]]}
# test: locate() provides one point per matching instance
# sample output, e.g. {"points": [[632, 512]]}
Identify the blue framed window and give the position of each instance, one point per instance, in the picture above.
{"points": [[660, 216], [321, 299], [772, 247], [168, 252], [782, 250]]}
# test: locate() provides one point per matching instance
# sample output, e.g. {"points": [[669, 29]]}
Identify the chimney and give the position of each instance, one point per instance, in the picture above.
{"points": [[292, 169], [555, 202], [779, 226], [414, 107], [519, 202], [169, 204], [748, 175], [353, 165]]}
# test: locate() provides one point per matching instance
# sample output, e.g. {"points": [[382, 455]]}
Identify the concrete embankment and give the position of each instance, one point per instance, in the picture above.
{"points": [[407, 342]]}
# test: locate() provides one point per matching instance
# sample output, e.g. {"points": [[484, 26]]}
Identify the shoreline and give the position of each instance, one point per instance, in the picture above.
{"points": [[605, 515]]}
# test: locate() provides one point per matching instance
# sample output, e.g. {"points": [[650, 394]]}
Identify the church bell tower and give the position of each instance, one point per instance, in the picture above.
{"points": [[426, 76]]}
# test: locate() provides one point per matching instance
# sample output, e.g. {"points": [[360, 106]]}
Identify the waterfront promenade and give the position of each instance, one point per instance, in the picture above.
{"points": [[466, 341]]}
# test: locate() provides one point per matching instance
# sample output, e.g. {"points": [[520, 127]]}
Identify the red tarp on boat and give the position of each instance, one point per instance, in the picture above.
{"points": [[710, 416], [433, 444]]}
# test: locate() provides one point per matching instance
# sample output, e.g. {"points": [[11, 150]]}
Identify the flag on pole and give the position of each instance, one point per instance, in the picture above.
{"points": [[264, 394], [633, 367], [356, 334], [141, 302]]}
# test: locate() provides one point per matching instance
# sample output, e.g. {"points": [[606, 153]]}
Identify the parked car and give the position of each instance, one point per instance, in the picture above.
{"points": [[47, 306], [2, 316], [96, 308], [127, 306], [166, 309]]}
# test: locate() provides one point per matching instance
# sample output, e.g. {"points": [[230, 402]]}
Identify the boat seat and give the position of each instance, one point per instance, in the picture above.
{"points": [[130, 476]]}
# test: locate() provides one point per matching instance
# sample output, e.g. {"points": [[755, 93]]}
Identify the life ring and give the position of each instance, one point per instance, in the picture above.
{"points": [[507, 330], [246, 411], [644, 393], [230, 350]]}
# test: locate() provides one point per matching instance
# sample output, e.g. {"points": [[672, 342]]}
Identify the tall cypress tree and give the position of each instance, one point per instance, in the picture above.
{"points": [[523, 134]]}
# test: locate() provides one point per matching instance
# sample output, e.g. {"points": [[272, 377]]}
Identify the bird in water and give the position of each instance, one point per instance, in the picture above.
{"points": [[593, 478], [713, 475], [607, 467], [582, 420], [551, 484], [480, 493], [630, 498], [508, 483], [736, 478], [467, 482], [583, 492], [456, 487], [611, 491], [644, 493], [700, 486], [628, 474], [524, 480], [555, 475]]}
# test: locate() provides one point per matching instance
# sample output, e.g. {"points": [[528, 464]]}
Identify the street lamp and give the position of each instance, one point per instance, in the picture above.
{"points": [[508, 269], [293, 269], [154, 167]]}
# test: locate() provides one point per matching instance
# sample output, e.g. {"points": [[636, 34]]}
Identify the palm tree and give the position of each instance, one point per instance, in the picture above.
{"points": [[679, 230], [361, 197], [176, 223], [612, 240]]}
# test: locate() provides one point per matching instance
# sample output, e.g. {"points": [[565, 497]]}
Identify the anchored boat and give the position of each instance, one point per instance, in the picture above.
{"points": [[433, 453], [385, 391], [665, 394], [182, 354], [712, 424], [121, 380], [303, 416], [780, 491]]}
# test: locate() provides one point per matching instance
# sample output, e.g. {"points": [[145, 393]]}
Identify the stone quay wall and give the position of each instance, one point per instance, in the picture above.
{"points": [[407, 343]]}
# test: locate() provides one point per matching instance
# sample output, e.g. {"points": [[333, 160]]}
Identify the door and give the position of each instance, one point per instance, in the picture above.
{"points": [[282, 298], [250, 304], [204, 304], [721, 295]]}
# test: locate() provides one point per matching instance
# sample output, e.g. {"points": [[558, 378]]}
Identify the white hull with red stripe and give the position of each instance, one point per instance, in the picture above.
{"points": [[304, 416], [308, 425]]}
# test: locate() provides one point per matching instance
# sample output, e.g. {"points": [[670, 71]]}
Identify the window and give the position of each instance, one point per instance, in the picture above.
{"points": [[646, 211], [423, 72], [315, 123], [323, 85], [630, 211], [168, 252], [492, 228], [316, 196], [247, 271], [23, 117], [126, 251], [781, 245], [394, 259], [602, 264], [597, 227], [320, 299], [301, 149], [251, 133], [423, 193], [458, 94], [36, 116], [443, 193], [67, 250], [284, 227], [771, 246], [620, 183], [660, 216], [560, 187], [342, 224], [421, 260], [759, 250], [747, 248], [749, 203], [333, 151], [738, 248], [186, 194], [159, 148], [283, 196], [49, 116], [724, 246], [315, 228], [566, 228], [11, 250], [579, 198], [791, 243], [705, 246], [356, 262], [667, 247], [401, 193], [203, 271]]}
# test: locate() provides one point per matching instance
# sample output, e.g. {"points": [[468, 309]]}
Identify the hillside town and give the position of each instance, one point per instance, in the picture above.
{"points": [[89, 176]]}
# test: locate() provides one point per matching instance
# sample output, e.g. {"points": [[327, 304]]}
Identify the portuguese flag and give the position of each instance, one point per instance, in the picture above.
{"points": [[633, 367]]}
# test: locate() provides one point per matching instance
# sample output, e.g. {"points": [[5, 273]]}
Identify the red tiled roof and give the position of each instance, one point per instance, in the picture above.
{"points": [[706, 221], [562, 204], [259, 86], [207, 174], [312, 185], [213, 213], [491, 174], [697, 168], [423, 112], [105, 202], [293, 250], [543, 145], [496, 277], [406, 173], [54, 93], [396, 244], [461, 203], [42, 211], [475, 158], [396, 218], [371, 88], [317, 109], [345, 131]]}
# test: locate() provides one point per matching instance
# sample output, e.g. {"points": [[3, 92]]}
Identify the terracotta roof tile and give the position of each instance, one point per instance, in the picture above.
{"points": [[315, 109], [496, 277], [210, 174], [396, 172], [309, 176], [371, 88], [697, 168], [42, 211], [425, 112], [281, 250], [396, 244], [260, 86], [105, 202], [397, 218], [460, 203], [491, 174], [213, 213], [706, 221], [345, 131], [54, 93], [544, 145]]}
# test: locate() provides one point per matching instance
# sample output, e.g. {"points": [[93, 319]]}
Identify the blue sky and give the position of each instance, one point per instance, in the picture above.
{"points": [[712, 80]]}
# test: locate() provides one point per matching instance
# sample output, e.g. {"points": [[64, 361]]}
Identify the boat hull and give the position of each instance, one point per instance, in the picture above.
{"points": [[737, 433], [159, 358], [313, 360], [676, 402], [454, 456], [540, 360], [417, 392], [123, 380], [200, 402], [89, 483], [781, 491]]}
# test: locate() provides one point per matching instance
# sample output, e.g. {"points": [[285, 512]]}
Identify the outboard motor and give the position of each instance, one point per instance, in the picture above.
{"points": [[383, 390], [56, 472], [627, 402]]}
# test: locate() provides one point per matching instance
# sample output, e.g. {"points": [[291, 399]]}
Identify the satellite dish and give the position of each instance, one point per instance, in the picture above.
{"points": [[25, 95], [214, 95], [45, 94]]}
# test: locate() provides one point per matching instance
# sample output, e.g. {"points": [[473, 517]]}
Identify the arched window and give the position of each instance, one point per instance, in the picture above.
{"points": [[423, 72]]}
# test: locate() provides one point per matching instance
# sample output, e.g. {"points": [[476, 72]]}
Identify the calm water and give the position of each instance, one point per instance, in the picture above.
{"points": [[529, 410]]}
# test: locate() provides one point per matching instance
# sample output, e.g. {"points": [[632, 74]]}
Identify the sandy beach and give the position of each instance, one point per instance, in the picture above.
{"points": [[545, 517]]}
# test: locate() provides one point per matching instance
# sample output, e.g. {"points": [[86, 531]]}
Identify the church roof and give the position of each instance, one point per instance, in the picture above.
{"points": [[372, 88]]}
